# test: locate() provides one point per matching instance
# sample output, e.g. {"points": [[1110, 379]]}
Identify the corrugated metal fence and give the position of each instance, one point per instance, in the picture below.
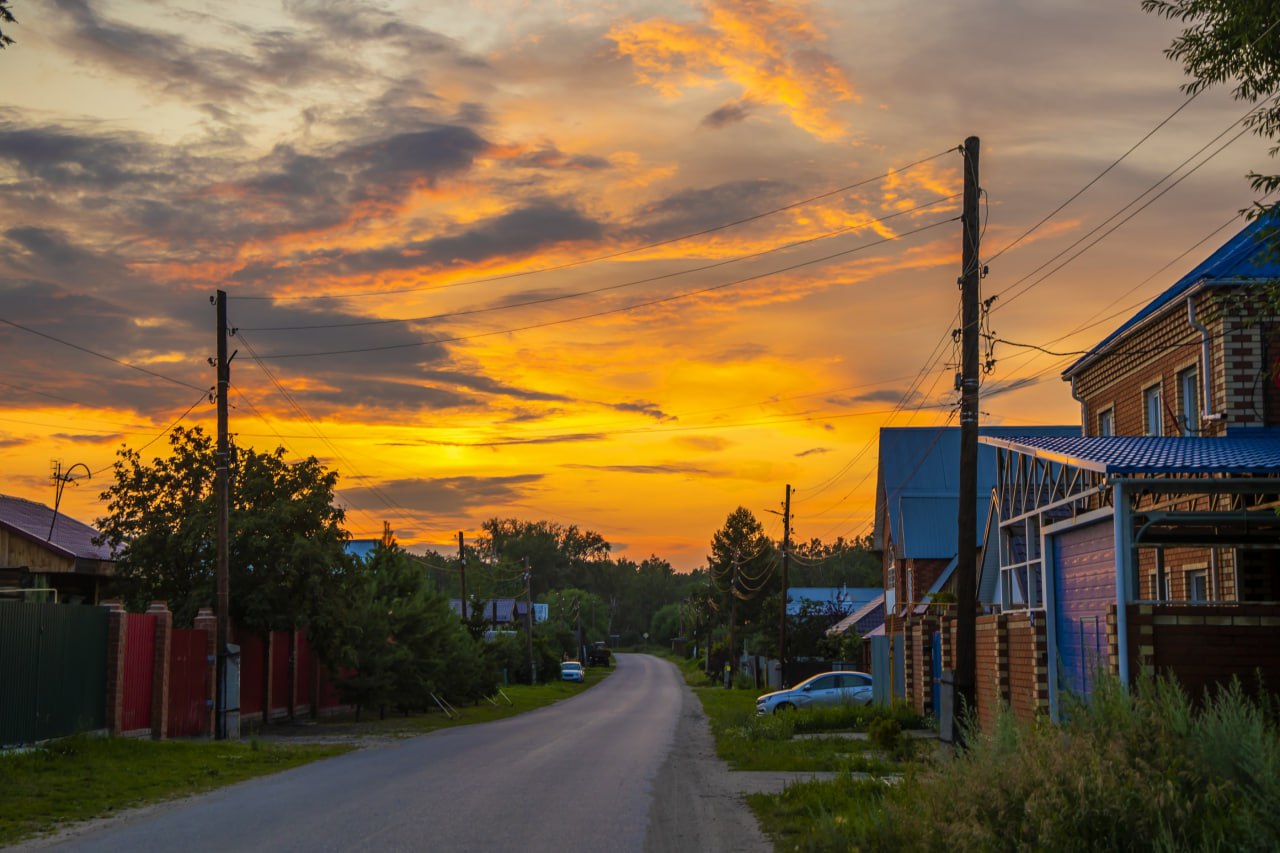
{"points": [[53, 671]]}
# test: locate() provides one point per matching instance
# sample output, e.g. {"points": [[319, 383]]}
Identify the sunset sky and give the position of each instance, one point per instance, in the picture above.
{"points": [[625, 264]]}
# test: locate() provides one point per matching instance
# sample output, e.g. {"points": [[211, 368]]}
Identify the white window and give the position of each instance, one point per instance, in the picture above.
{"points": [[1189, 401], [1152, 411], [1107, 422], [1197, 586]]}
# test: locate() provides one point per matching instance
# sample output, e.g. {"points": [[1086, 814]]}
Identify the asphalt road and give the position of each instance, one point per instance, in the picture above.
{"points": [[575, 776]]}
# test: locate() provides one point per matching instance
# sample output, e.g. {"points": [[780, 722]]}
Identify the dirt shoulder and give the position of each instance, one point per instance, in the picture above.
{"points": [[697, 805]]}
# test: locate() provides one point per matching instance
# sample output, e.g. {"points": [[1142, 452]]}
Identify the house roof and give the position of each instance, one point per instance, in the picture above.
{"points": [[919, 483], [1243, 259], [1120, 455], [845, 597], [858, 615], [70, 538]]}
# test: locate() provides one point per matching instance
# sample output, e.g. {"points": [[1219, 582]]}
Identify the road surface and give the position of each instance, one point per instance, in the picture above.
{"points": [[625, 767]]}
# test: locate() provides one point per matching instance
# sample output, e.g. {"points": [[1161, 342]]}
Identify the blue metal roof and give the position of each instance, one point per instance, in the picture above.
{"points": [[1243, 258], [1120, 455], [846, 598], [924, 462]]}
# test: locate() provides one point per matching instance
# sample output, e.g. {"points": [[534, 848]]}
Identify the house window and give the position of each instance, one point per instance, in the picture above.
{"points": [[1107, 422], [1152, 411], [1189, 401], [1198, 586]]}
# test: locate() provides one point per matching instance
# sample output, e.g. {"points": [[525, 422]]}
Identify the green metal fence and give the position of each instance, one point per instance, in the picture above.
{"points": [[53, 671]]}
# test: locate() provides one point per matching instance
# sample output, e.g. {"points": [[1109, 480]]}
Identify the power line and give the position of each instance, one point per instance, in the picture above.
{"points": [[202, 398], [591, 292], [611, 311], [612, 255]]}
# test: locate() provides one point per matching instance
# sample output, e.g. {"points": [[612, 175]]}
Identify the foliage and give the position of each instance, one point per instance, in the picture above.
{"points": [[1142, 771], [6, 16], [397, 642], [285, 535], [838, 563], [559, 556], [509, 654], [84, 777], [1232, 40]]}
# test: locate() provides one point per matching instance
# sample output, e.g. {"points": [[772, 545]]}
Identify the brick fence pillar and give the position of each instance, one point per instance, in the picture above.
{"points": [[117, 626], [207, 622], [160, 678]]}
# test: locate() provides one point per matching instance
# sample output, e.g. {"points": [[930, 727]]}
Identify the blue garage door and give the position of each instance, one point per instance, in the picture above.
{"points": [[1084, 586]]}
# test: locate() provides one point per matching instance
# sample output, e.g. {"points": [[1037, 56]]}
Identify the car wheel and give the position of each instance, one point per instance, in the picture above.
{"points": [[784, 707]]}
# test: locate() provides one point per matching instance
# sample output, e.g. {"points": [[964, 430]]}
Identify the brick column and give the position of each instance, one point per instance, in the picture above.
{"points": [[207, 622], [1142, 639], [117, 626], [160, 679]]}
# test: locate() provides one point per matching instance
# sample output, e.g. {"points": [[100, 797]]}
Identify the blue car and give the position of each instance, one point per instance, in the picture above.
{"points": [[571, 670]]}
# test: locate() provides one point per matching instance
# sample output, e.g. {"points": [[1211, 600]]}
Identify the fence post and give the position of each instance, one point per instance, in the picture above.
{"points": [[207, 622], [117, 625], [160, 679]]}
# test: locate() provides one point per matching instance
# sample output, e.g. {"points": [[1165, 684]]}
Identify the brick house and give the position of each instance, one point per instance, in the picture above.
{"points": [[1148, 542]]}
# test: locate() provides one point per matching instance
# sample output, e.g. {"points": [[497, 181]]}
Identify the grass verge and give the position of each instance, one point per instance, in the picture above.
{"points": [[83, 778], [1149, 770]]}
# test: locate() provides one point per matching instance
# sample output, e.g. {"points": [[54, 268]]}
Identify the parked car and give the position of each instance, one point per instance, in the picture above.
{"points": [[827, 688], [571, 670]]}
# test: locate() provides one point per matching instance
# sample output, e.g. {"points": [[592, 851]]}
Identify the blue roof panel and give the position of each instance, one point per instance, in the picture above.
{"points": [[1120, 455]]}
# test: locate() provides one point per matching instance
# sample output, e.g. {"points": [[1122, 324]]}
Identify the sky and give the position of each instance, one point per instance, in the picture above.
{"points": [[621, 264]]}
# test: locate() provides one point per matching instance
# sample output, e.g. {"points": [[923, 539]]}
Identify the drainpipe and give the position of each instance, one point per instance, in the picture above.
{"points": [[1084, 410], [1206, 382]]}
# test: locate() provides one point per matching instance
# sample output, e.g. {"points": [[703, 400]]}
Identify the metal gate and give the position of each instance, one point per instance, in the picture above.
{"points": [[53, 671], [1084, 587], [139, 670], [189, 699], [936, 672]]}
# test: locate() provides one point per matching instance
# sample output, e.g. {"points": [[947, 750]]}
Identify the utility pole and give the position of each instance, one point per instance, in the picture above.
{"points": [[733, 619], [782, 618], [967, 539], [528, 618], [222, 485], [462, 573]]}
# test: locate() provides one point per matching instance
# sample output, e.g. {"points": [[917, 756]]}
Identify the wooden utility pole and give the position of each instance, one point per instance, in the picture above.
{"points": [[733, 620], [782, 617], [528, 618], [462, 574], [222, 485], [967, 538]]}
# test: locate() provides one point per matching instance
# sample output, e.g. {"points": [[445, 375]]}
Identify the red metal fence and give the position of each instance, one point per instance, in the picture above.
{"points": [[139, 670], [189, 699]]}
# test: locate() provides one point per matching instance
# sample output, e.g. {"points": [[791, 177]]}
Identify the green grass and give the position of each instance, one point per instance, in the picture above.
{"points": [[748, 742], [1144, 771], [82, 778]]}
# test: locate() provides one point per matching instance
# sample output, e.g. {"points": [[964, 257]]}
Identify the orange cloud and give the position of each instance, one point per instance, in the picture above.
{"points": [[768, 48]]}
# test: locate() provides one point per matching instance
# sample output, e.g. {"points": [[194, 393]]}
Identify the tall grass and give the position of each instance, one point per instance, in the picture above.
{"points": [[1143, 771]]}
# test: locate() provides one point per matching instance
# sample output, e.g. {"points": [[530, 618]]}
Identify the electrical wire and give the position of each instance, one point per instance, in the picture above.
{"points": [[612, 255], [202, 398], [611, 311], [603, 289]]}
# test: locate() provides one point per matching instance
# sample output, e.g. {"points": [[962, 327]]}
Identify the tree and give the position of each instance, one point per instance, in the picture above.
{"points": [[1233, 40], [559, 556], [6, 16], [286, 538]]}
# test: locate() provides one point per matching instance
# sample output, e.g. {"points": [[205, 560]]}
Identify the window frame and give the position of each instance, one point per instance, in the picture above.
{"points": [[1153, 393], [1106, 421]]}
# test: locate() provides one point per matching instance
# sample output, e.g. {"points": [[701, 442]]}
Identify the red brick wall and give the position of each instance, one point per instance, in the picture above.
{"points": [[992, 657], [1028, 664]]}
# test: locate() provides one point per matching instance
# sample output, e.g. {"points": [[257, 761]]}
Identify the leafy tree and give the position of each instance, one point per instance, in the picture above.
{"points": [[838, 563], [559, 556], [6, 16], [286, 540], [1239, 41], [742, 565]]}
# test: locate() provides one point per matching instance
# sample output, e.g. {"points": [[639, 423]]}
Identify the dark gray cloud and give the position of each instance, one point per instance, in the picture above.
{"points": [[58, 158], [886, 395], [108, 438], [567, 438], [697, 209], [487, 385], [813, 451], [731, 113], [551, 157], [443, 494], [644, 469], [643, 407]]}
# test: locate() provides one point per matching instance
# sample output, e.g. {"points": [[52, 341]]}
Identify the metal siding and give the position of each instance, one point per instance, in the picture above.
{"points": [[250, 673], [880, 693], [139, 670], [188, 682], [53, 671], [935, 670], [1084, 587], [279, 671]]}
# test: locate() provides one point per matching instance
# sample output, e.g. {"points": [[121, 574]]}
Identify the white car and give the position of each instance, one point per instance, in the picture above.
{"points": [[827, 688], [571, 670]]}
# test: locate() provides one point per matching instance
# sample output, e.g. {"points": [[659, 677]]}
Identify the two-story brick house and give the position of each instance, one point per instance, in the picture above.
{"points": [[1149, 542]]}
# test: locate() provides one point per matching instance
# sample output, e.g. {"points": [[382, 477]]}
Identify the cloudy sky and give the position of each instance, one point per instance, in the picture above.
{"points": [[626, 264]]}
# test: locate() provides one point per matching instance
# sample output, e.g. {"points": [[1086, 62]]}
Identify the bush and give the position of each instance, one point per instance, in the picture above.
{"points": [[1139, 771]]}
